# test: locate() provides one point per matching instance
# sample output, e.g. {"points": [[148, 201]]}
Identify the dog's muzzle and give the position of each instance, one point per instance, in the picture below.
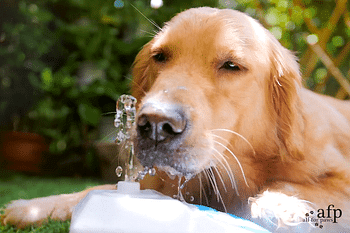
{"points": [[161, 129]]}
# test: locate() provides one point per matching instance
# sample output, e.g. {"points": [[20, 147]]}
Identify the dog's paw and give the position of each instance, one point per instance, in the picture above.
{"points": [[22, 213], [279, 209]]}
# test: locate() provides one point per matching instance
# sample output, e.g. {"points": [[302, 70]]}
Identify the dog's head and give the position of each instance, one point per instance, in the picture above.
{"points": [[216, 90]]}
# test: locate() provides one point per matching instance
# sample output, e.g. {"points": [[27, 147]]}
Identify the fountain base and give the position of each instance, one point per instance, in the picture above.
{"points": [[129, 209]]}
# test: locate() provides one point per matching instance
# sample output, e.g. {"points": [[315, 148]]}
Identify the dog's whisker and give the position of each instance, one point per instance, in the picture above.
{"points": [[222, 138], [235, 157], [108, 113], [108, 136], [237, 134], [220, 177], [217, 193], [225, 140], [155, 32], [202, 190], [207, 180], [149, 20], [149, 33], [212, 181], [149, 36], [230, 173], [227, 168]]}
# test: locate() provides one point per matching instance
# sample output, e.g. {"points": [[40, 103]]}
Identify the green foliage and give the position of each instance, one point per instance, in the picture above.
{"points": [[291, 21], [64, 63]]}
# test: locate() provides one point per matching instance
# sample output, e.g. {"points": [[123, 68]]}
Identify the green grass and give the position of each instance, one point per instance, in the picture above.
{"points": [[50, 227], [15, 186]]}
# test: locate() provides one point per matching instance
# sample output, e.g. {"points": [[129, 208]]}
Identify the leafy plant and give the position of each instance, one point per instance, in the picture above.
{"points": [[291, 22], [64, 64]]}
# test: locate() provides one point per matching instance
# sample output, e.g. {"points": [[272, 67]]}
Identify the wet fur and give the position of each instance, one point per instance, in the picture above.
{"points": [[298, 141]]}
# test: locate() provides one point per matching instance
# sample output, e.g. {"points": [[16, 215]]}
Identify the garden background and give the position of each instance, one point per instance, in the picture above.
{"points": [[63, 64]]}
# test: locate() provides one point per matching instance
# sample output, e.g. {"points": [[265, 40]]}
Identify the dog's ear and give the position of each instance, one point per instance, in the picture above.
{"points": [[142, 72], [285, 86]]}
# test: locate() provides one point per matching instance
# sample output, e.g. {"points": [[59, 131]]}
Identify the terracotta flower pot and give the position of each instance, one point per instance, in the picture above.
{"points": [[22, 151]]}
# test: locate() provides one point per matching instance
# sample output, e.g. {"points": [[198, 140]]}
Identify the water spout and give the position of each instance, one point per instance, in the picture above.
{"points": [[125, 122]]}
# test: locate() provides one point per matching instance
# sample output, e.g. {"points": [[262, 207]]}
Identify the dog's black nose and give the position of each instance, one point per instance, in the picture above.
{"points": [[160, 123]]}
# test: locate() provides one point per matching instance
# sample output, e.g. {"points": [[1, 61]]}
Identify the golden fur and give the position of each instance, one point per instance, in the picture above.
{"points": [[253, 128], [300, 140]]}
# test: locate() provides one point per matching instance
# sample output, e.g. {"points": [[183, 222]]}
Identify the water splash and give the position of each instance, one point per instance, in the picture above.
{"points": [[125, 118], [124, 121], [119, 171], [152, 171], [180, 187], [141, 174]]}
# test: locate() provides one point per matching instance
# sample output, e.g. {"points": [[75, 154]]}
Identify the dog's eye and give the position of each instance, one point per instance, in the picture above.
{"points": [[229, 65], [159, 57]]}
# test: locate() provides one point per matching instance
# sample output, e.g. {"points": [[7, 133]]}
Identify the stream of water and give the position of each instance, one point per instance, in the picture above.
{"points": [[125, 122]]}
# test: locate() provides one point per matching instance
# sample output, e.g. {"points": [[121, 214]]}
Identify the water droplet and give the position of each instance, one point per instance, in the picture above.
{"points": [[125, 117], [119, 171], [166, 91], [180, 186], [152, 171], [124, 121], [118, 4], [187, 178], [191, 198], [142, 174], [120, 137]]}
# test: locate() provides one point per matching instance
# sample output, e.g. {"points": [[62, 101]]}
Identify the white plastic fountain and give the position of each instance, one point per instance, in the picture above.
{"points": [[129, 209]]}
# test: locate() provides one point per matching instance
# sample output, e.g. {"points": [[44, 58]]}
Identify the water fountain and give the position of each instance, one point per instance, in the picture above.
{"points": [[129, 209]]}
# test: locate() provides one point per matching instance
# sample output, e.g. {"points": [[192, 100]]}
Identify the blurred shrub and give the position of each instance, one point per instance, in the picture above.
{"points": [[63, 63], [290, 21]]}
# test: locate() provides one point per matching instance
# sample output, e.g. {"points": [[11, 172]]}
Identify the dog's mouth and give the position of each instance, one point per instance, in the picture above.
{"points": [[163, 140], [173, 173], [166, 157]]}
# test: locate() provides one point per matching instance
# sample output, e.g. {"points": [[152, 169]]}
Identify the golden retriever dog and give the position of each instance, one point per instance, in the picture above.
{"points": [[221, 109]]}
